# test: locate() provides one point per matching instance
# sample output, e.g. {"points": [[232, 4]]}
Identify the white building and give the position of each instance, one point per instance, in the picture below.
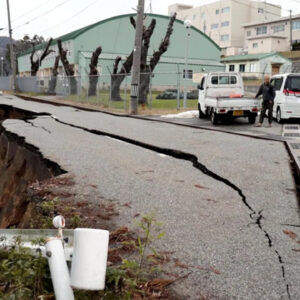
{"points": [[223, 20], [257, 65], [271, 35]]}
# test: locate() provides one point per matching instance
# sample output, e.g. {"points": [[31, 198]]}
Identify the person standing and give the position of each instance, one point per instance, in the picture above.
{"points": [[268, 94]]}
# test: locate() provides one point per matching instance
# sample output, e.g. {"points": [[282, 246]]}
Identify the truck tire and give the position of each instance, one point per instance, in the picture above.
{"points": [[214, 117], [278, 116], [201, 114], [252, 118]]}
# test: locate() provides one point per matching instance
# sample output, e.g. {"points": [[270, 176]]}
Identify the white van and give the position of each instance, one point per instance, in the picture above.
{"points": [[221, 97], [287, 99]]}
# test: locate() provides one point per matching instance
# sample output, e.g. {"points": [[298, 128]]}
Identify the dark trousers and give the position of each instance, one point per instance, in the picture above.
{"points": [[266, 105]]}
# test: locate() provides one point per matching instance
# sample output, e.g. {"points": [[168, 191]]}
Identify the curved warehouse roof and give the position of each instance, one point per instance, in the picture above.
{"points": [[116, 35]]}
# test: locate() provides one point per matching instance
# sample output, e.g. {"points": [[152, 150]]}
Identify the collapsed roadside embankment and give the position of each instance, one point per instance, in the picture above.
{"points": [[21, 164]]}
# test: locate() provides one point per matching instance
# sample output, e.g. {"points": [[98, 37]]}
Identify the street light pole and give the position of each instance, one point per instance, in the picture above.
{"points": [[12, 56], [2, 59], [136, 65], [187, 25], [291, 31]]}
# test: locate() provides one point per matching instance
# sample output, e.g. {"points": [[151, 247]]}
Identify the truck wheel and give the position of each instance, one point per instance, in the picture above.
{"points": [[201, 114], [214, 118], [278, 115], [252, 118]]}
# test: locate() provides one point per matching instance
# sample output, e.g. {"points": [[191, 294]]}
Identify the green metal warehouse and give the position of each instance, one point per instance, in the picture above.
{"points": [[116, 37]]}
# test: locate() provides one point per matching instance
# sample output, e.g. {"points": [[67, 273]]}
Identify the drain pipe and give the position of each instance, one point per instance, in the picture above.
{"points": [[57, 263]]}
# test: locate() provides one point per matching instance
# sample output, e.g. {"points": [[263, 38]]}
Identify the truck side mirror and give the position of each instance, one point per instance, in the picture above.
{"points": [[199, 86]]}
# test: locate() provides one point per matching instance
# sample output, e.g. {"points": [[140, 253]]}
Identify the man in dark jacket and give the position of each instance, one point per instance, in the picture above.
{"points": [[268, 94]]}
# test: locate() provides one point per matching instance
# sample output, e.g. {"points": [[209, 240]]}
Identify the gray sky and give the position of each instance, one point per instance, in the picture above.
{"points": [[56, 17]]}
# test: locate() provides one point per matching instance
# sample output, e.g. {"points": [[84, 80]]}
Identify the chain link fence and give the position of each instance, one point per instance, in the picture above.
{"points": [[110, 91], [158, 91]]}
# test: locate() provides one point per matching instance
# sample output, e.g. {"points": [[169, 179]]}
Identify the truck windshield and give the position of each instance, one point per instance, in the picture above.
{"points": [[292, 83], [222, 79]]}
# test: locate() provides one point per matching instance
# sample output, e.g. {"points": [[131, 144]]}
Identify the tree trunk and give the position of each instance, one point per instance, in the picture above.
{"points": [[116, 81], [68, 68], [93, 75], [52, 83], [144, 88]]}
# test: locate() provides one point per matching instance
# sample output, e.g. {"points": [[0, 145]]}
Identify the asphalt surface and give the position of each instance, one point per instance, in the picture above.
{"points": [[236, 245]]}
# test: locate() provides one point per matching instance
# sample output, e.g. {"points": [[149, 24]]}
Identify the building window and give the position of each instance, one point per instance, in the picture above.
{"points": [[260, 10], [252, 68], [296, 25], [231, 68], [203, 15], [214, 26], [225, 10], [261, 30], [194, 17], [217, 11], [224, 37], [223, 79], [242, 68], [255, 45], [225, 24], [278, 28], [188, 74], [204, 27], [249, 33]]}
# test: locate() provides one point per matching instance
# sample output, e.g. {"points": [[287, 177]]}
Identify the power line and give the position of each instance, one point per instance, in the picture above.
{"points": [[29, 11], [41, 15], [66, 20]]}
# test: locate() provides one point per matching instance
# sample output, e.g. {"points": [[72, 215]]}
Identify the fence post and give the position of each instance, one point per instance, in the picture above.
{"points": [[78, 87], [150, 92], [125, 94], [178, 87]]}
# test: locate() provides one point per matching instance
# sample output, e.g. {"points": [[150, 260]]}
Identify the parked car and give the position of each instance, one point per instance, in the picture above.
{"points": [[287, 99], [192, 94], [169, 94], [221, 96]]}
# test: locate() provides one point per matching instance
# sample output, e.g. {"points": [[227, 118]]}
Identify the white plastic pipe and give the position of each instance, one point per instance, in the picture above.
{"points": [[59, 270], [89, 259]]}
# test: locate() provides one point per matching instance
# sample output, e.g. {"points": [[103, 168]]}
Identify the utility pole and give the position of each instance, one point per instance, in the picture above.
{"points": [[136, 65], [12, 56], [291, 31]]}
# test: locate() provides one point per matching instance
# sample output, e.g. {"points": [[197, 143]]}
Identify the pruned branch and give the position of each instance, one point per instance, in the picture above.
{"points": [[116, 64], [46, 51], [55, 67], [163, 47], [146, 43], [63, 57], [132, 21], [94, 61], [37, 63]]}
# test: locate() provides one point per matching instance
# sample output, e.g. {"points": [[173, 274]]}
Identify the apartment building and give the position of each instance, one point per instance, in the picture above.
{"points": [[223, 20], [273, 35]]}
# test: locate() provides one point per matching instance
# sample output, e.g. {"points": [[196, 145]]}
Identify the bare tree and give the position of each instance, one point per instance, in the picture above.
{"points": [[93, 75], [52, 84], [69, 70], [119, 75], [35, 64], [146, 69]]}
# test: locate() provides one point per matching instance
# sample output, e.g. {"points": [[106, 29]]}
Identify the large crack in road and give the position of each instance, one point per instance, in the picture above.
{"points": [[177, 154], [257, 217]]}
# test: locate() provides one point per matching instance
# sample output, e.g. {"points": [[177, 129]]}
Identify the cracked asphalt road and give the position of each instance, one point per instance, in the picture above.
{"points": [[207, 223]]}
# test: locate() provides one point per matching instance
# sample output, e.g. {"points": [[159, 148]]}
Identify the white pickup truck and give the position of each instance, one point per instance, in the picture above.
{"points": [[221, 97]]}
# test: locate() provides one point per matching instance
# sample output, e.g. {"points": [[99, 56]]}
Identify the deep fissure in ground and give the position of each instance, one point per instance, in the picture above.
{"points": [[21, 164], [23, 157], [254, 215]]}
